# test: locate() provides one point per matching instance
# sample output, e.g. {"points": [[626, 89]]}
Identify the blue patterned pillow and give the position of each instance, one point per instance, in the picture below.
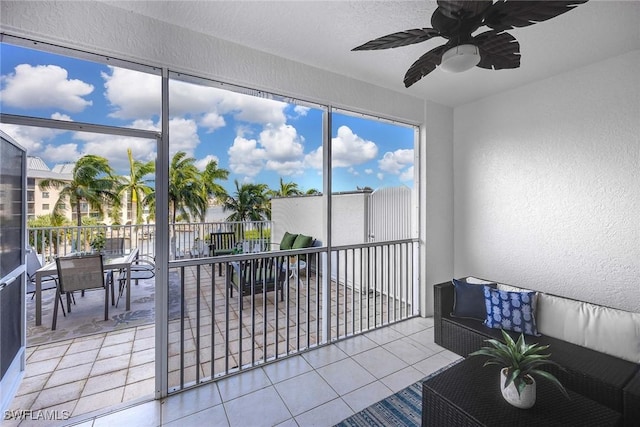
{"points": [[512, 311]]}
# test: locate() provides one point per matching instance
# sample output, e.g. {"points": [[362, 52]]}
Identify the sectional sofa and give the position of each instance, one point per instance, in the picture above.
{"points": [[599, 347]]}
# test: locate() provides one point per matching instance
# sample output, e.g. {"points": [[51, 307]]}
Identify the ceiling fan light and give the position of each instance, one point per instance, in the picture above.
{"points": [[460, 58]]}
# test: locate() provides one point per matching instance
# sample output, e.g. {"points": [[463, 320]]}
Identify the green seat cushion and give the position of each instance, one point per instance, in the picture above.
{"points": [[302, 241], [287, 240]]}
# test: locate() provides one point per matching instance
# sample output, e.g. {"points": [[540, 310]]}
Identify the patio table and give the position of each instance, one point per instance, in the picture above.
{"points": [[111, 262]]}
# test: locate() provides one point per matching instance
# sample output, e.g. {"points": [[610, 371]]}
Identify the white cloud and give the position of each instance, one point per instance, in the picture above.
{"points": [[368, 171], [44, 86], [201, 164], [212, 121], [285, 168], [114, 148], [349, 149], [380, 176], [183, 136], [60, 116], [314, 159], [281, 143], [300, 110], [394, 162], [407, 175], [132, 94], [353, 172], [60, 153], [31, 138], [245, 158]]}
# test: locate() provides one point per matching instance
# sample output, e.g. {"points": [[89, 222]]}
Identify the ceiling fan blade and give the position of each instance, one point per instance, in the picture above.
{"points": [[424, 65], [498, 51], [457, 9], [402, 38], [508, 14]]}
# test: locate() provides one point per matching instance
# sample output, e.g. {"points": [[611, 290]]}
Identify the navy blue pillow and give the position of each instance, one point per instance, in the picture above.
{"points": [[512, 311], [468, 300]]}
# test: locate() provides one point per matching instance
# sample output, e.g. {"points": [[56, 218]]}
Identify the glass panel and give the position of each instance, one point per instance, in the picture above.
{"points": [[372, 168]]}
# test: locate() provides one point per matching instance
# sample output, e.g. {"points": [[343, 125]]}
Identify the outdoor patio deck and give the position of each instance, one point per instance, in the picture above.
{"points": [[92, 370]]}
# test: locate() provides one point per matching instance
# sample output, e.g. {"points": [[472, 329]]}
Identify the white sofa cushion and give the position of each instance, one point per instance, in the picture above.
{"points": [[607, 330]]}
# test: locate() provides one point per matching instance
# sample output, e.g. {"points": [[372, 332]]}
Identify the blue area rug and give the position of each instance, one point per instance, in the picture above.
{"points": [[401, 409]]}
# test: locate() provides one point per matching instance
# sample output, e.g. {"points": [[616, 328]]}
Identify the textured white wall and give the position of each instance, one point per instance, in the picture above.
{"points": [[436, 187], [547, 185]]}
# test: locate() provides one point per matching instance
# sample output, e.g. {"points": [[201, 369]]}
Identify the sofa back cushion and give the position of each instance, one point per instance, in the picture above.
{"points": [[608, 330]]}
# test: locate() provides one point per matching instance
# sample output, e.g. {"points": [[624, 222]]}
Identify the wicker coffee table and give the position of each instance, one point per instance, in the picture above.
{"points": [[468, 394]]}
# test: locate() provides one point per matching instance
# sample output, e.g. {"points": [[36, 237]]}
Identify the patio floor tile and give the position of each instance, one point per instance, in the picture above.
{"points": [[305, 392], [262, 407]]}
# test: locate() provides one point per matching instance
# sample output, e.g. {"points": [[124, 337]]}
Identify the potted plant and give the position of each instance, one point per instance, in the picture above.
{"points": [[520, 362], [98, 242]]}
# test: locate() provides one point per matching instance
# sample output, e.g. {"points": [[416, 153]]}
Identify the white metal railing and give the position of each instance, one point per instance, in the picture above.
{"points": [[215, 331], [188, 239]]}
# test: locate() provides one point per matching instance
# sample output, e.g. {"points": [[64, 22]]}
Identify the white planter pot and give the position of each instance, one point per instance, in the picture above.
{"points": [[527, 397]]}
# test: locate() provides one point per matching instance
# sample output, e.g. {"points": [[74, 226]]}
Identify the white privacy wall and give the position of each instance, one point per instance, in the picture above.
{"points": [[547, 185]]}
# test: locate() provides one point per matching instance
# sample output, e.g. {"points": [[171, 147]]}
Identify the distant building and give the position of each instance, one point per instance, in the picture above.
{"points": [[42, 202]]}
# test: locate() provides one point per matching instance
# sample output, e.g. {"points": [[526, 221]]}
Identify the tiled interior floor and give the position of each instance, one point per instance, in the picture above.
{"points": [[317, 388]]}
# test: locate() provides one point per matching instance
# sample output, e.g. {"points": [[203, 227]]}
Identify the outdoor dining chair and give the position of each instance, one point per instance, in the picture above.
{"points": [[46, 283], [143, 267], [114, 245], [79, 273]]}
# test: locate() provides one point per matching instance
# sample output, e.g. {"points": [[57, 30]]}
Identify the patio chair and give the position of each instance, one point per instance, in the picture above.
{"points": [[222, 243], [79, 273], [143, 267], [254, 276], [114, 245], [46, 282]]}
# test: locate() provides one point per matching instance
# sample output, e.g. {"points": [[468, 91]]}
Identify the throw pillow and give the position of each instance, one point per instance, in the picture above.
{"points": [[468, 300], [287, 240], [512, 311], [302, 241]]}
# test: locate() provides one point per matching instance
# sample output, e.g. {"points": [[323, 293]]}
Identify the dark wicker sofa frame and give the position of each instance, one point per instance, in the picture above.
{"points": [[606, 379]]}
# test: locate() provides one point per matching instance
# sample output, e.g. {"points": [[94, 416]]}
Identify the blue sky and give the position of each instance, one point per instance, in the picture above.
{"points": [[256, 139]]}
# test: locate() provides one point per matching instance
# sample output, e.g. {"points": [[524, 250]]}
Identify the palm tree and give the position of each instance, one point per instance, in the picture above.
{"points": [[286, 189], [210, 174], [249, 203], [92, 181], [312, 191], [186, 188], [137, 186]]}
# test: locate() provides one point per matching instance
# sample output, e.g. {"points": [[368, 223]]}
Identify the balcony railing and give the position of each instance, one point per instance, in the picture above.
{"points": [[187, 239], [215, 330]]}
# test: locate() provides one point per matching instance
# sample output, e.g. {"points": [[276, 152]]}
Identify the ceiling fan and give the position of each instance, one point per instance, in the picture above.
{"points": [[457, 20]]}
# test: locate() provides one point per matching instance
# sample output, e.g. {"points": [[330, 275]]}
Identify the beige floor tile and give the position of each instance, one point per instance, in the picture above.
{"points": [[114, 350], [79, 346], [33, 383], [140, 389], [23, 402], [60, 394], [98, 401], [141, 372], [120, 337], [41, 354], [71, 360], [110, 365], [141, 357], [144, 344], [99, 383], [69, 375], [42, 367]]}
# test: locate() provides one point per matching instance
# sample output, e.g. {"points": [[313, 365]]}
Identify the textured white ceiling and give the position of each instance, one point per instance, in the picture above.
{"points": [[322, 34]]}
